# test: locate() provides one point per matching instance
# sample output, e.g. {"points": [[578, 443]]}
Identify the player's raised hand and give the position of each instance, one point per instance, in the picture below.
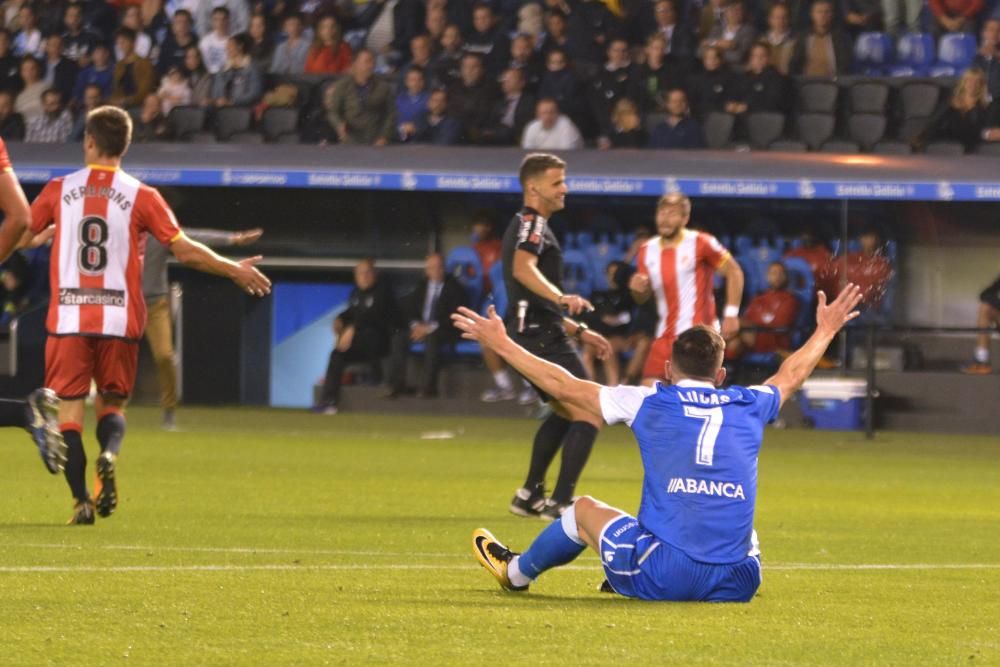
{"points": [[575, 304], [247, 236], [487, 331], [249, 278], [841, 311]]}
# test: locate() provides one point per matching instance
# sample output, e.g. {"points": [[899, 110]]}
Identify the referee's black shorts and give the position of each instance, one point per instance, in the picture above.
{"points": [[991, 295], [557, 349]]}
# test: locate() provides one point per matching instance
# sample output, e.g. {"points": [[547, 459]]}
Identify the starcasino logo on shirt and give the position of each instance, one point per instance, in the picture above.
{"points": [[704, 487]]}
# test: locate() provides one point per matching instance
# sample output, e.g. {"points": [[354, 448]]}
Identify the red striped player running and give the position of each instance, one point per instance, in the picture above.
{"points": [[101, 216], [678, 267]]}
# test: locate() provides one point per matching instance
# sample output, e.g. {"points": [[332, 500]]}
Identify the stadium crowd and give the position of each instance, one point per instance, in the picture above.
{"points": [[544, 74]]}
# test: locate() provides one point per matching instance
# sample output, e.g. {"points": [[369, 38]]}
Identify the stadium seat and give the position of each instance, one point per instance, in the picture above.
{"points": [[600, 255], [231, 120], [280, 121], [499, 290], [765, 128], [185, 121], [892, 148], [788, 146], [288, 138], [463, 263], [944, 148], [956, 50], [814, 129], [839, 146], [911, 128], [249, 137], [872, 53], [990, 148], [919, 99], [203, 137], [818, 97], [755, 261], [584, 239], [719, 129], [866, 129], [578, 274], [915, 50], [868, 97]]}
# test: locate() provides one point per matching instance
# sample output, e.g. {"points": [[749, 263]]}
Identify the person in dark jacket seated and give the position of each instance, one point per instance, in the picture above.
{"points": [[626, 125], [965, 117], [656, 75], [511, 113], [710, 87], [761, 88], [363, 331], [437, 125], [426, 312], [11, 123], [679, 130]]}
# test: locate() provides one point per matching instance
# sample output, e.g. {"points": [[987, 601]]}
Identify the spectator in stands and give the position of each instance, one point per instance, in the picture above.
{"points": [[678, 130], [175, 90], [775, 308], [523, 57], [29, 100], [213, 44], [60, 72], [178, 39], [99, 73], [655, 76], [964, 117], [49, 14], [988, 57], [556, 34], [422, 57], [820, 260], [446, 69], [361, 108], [92, 98], [825, 51], [237, 15], [988, 317], [9, 10], [54, 124], [761, 88], [329, 53], [676, 42], [626, 125], [78, 42], [591, 29], [426, 314], [512, 113], [711, 17], [955, 15], [240, 83], [15, 285], [894, 20], [198, 77], [314, 10], [472, 97], [437, 125], [391, 24], [868, 268], [290, 56], [261, 44], [488, 39], [134, 77], [28, 41], [551, 130], [710, 88], [560, 84], [132, 19], [11, 122], [612, 84], [531, 22], [734, 36], [612, 318], [779, 37], [365, 328], [861, 16], [155, 23], [411, 103], [435, 21], [151, 125], [10, 78]]}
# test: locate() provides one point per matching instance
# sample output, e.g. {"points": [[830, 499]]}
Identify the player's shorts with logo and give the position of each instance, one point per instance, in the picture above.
{"points": [[71, 362], [639, 565]]}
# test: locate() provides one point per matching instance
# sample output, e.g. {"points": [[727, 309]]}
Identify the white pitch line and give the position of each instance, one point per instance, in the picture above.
{"points": [[240, 550]]}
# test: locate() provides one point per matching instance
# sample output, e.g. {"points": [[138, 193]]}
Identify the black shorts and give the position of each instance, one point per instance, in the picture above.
{"points": [[555, 347], [991, 295]]}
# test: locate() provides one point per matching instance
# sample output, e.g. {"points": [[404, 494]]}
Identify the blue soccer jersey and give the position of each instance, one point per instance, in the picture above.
{"points": [[699, 448]]}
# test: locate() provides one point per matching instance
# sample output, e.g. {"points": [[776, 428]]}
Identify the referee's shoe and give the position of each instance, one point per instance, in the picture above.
{"points": [[494, 557]]}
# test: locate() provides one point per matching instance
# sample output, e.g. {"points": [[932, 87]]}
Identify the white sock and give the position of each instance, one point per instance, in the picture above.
{"points": [[514, 573], [568, 521], [502, 380], [982, 355]]}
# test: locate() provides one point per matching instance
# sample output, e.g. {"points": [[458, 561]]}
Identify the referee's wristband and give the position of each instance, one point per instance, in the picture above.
{"points": [[731, 311], [581, 328]]}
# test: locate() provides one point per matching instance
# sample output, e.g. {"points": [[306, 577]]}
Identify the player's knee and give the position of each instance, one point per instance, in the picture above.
{"points": [[584, 504]]}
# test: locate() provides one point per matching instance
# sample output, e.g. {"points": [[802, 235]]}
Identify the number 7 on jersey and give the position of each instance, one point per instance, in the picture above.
{"points": [[711, 423]]}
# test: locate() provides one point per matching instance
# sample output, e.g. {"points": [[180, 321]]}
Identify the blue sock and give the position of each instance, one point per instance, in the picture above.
{"points": [[556, 545]]}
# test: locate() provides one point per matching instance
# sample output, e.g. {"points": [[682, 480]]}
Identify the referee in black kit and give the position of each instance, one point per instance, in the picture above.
{"points": [[532, 267]]}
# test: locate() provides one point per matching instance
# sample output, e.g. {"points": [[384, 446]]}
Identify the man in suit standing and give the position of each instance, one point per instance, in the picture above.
{"points": [[427, 311]]}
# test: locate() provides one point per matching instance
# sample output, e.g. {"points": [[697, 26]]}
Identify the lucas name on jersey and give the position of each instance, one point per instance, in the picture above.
{"points": [[693, 396], [107, 192], [706, 488]]}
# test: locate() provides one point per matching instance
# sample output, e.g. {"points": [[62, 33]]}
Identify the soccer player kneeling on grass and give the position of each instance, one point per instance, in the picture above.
{"points": [[694, 537]]}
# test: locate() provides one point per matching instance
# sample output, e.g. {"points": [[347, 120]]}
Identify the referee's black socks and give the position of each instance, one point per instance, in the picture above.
{"points": [[548, 439], [14, 413], [577, 444]]}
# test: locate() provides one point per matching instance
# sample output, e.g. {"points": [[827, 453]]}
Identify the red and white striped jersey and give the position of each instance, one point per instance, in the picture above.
{"points": [[101, 216], [681, 275]]}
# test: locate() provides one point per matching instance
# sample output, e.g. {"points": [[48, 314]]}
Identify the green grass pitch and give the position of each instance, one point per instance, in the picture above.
{"points": [[263, 537]]}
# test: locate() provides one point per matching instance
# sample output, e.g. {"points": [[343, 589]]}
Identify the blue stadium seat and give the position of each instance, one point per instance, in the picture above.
{"points": [[463, 263], [914, 50], [569, 241], [955, 50], [600, 254], [499, 292], [578, 274], [584, 239], [872, 53], [754, 262]]}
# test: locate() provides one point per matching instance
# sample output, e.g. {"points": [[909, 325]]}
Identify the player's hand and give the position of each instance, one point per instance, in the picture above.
{"points": [[247, 236], [418, 332], [640, 284], [250, 279], [345, 339], [834, 316], [487, 331], [730, 327], [602, 348], [575, 304]]}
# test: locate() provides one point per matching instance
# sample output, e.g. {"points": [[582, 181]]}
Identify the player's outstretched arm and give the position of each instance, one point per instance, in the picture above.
{"points": [[830, 319], [243, 273], [555, 381]]}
